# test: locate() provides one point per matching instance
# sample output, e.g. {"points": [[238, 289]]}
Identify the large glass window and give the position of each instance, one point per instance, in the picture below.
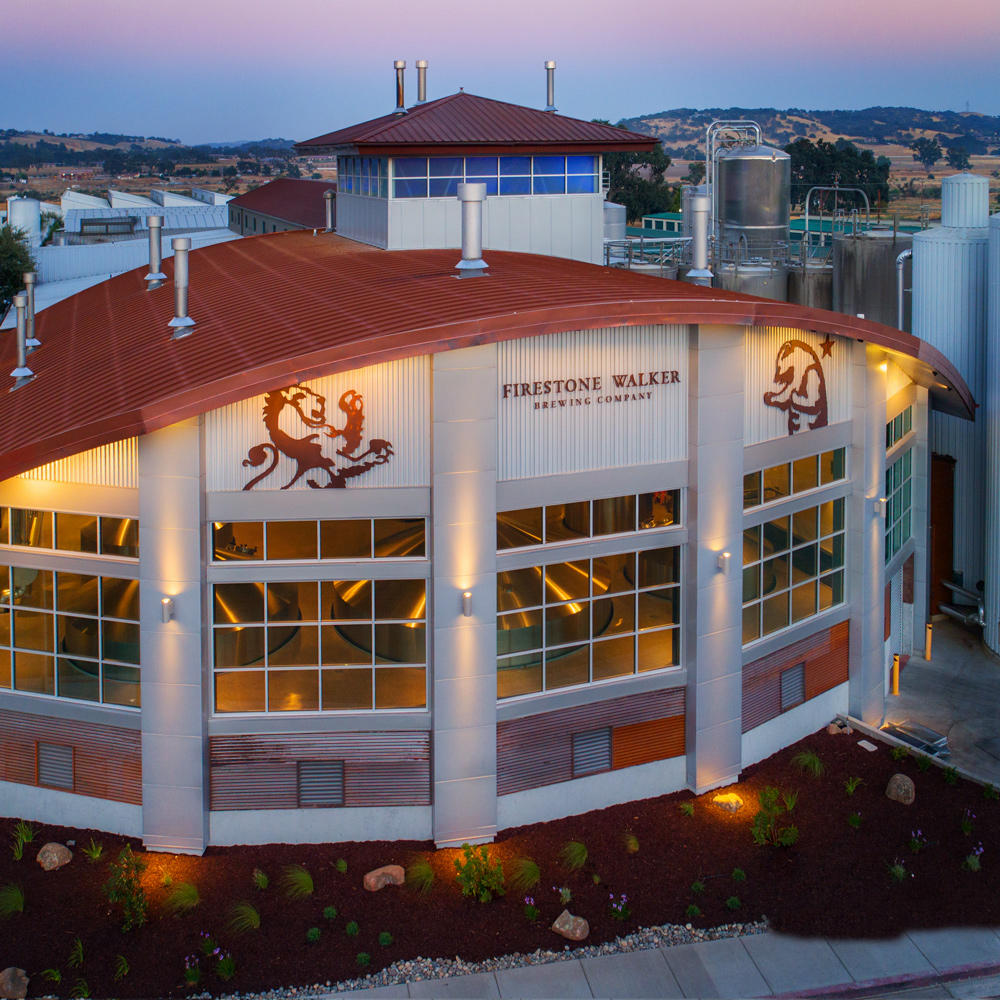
{"points": [[439, 176], [86, 533], [899, 494], [793, 568], [311, 646], [367, 176], [566, 624], [897, 428], [70, 635], [779, 482]]}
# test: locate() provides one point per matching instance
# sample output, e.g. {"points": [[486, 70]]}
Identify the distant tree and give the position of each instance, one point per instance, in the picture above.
{"points": [[15, 260], [114, 163], [316, 176], [266, 170], [926, 152], [958, 158], [230, 171], [627, 186], [292, 170], [248, 166], [696, 172], [839, 164]]}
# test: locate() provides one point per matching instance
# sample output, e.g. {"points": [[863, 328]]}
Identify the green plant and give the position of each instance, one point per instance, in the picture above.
{"points": [[789, 799], [121, 967], [972, 862], [80, 990], [573, 855], [631, 843], [924, 763], [341, 866], [530, 910], [385, 939], [686, 808], [897, 871], [739, 875], [596, 878], [260, 879], [854, 821], [297, 882], [11, 901], [24, 832], [692, 911], [75, 959], [208, 945], [329, 912], [851, 785], [17, 849], [524, 875], [183, 899], [917, 841], [420, 875], [312, 935], [733, 903], [226, 966], [766, 827], [243, 917], [950, 775], [52, 975], [899, 753], [352, 929], [565, 894], [93, 850], [192, 970], [124, 886], [697, 888], [990, 793], [477, 874], [620, 910], [809, 762], [167, 881], [363, 958], [965, 823]]}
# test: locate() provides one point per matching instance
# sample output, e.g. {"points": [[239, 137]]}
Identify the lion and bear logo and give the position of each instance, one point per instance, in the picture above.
{"points": [[798, 372]]}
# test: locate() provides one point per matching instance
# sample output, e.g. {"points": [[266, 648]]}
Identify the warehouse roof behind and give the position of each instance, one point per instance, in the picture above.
{"points": [[296, 201]]}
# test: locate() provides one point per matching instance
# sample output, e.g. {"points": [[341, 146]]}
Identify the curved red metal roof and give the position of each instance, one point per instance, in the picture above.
{"points": [[276, 309]]}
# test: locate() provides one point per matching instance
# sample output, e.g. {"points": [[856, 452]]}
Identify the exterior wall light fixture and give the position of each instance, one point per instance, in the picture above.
{"points": [[724, 563], [467, 604], [167, 609], [880, 507]]}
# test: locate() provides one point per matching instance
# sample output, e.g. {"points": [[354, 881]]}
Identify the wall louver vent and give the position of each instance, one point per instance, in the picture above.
{"points": [[321, 783], [591, 752], [793, 686], [55, 766]]}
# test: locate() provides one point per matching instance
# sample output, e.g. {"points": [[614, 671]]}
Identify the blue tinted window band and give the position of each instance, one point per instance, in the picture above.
{"points": [[515, 185], [581, 184]]}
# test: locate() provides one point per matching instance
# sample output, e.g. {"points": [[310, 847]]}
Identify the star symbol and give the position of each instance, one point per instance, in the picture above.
{"points": [[826, 346]]}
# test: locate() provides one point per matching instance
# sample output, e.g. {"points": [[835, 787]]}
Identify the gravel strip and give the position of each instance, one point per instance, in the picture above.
{"points": [[441, 968]]}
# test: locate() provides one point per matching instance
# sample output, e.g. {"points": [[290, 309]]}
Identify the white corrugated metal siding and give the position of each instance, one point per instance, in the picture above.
{"points": [[113, 464], [598, 434], [396, 409], [991, 420], [764, 423]]}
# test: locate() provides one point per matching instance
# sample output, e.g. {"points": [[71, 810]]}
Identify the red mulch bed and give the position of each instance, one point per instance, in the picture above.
{"points": [[833, 882]]}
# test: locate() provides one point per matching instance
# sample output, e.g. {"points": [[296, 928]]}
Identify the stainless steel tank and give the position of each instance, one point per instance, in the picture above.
{"points": [[614, 221], [812, 285], [753, 195], [864, 275], [689, 191], [764, 278]]}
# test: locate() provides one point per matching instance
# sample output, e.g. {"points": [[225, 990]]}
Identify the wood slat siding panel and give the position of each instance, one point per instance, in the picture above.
{"points": [[645, 742], [825, 655], [537, 750], [260, 771], [107, 760]]}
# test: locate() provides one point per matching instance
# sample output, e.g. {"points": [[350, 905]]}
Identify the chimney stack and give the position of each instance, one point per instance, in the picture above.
{"points": [[550, 89], [472, 197], [400, 65], [421, 81], [331, 210], [181, 322], [22, 374], [156, 277], [31, 341]]}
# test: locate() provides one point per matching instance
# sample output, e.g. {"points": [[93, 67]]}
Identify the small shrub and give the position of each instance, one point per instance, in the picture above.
{"points": [[573, 855], [384, 939], [897, 871], [692, 911], [80, 990], [917, 841], [530, 910], [565, 894], [24, 832], [924, 763], [596, 878], [183, 899], [972, 862], [420, 875], [950, 775], [739, 875], [225, 967], [75, 959], [363, 958], [341, 866], [851, 785], [766, 827], [899, 753], [243, 917], [329, 912], [733, 903], [990, 793], [965, 823], [854, 821], [686, 808], [352, 929], [260, 879], [697, 888], [631, 843], [313, 934], [125, 886], [524, 875], [478, 876], [121, 967], [620, 910], [192, 970], [790, 798], [17, 849], [208, 945], [11, 901], [52, 975], [93, 850], [297, 882], [809, 762]]}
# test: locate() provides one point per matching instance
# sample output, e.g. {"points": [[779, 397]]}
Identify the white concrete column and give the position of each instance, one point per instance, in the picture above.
{"points": [[713, 617], [866, 538], [920, 517], [174, 687], [463, 544]]}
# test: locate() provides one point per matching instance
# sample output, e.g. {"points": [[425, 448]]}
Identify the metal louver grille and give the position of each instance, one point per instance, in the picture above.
{"points": [[793, 686], [55, 766], [321, 783], [591, 752]]}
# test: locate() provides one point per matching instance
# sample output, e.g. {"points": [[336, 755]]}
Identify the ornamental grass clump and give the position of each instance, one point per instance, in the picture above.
{"points": [[917, 841], [297, 882], [972, 862], [897, 871], [631, 843], [478, 875], [11, 901], [243, 917], [686, 808], [341, 866], [899, 753], [530, 910], [523, 875], [384, 939], [93, 850], [573, 855], [329, 912], [183, 899], [75, 959], [420, 875], [121, 968], [851, 785], [924, 763], [733, 903], [260, 880], [692, 911], [313, 935], [739, 875], [352, 929], [125, 886], [965, 823], [990, 793], [854, 821], [809, 762], [767, 827], [950, 775]]}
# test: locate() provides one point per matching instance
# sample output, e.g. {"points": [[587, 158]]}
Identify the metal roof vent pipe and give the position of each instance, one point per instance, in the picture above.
{"points": [[181, 322], [400, 65], [156, 277], [31, 341], [22, 374], [331, 210], [550, 85], [699, 274], [472, 197], [421, 81]]}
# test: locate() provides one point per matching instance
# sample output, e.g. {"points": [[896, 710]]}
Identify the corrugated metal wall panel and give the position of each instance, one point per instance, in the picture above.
{"points": [[765, 423], [991, 400], [107, 760], [113, 464], [55, 765], [396, 409], [591, 752], [896, 624], [601, 435], [538, 749], [793, 686], [321, 783], [396, 783], [644, 742], [255, 786]]}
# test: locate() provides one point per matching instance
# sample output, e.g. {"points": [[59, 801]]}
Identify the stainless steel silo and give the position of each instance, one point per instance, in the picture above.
{"points": [[754, 276], [753, 195], [864, 274], [991, 402], [810, 283]]}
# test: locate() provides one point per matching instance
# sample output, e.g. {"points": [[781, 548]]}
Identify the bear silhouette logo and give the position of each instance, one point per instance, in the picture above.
{"points": [[801, 392]]}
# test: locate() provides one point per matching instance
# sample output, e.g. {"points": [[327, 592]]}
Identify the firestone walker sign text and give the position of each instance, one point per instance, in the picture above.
{"points": [[592, 389]]}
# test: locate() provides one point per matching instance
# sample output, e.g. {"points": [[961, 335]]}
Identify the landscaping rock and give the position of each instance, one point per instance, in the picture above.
{"points": [[53, 856], [901, 789], [13, 984], [833, 729], [389, 875], [570, 927], [730, 802]]}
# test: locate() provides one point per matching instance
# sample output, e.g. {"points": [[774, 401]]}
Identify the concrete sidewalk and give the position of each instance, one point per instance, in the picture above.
{"points": [[946, 963]]}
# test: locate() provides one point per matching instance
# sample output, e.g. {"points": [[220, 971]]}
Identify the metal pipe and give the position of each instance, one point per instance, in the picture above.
{"points": [[550, 85], [472, 197], [29, 290], [181, 322], [399, 65], [22, 374], [421, 81], [331, 210], [156, 277], [900, 268], [699, 273]]}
